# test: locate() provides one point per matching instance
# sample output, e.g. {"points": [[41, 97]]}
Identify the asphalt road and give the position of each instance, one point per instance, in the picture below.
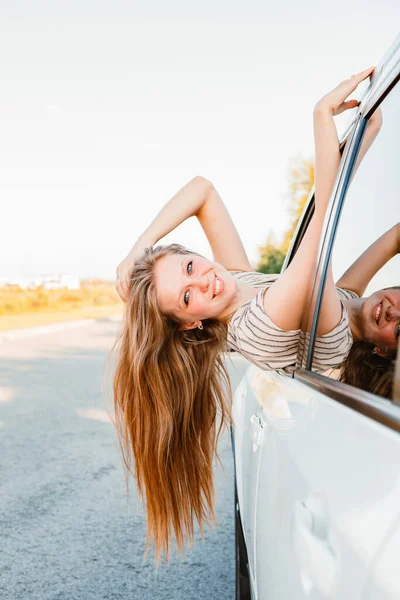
{"points": [[67, 529]]}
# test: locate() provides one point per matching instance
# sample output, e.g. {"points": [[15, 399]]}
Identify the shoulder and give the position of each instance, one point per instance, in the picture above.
{"points": [[331, 349], [345, 294], [252, 333], [254, 278]]}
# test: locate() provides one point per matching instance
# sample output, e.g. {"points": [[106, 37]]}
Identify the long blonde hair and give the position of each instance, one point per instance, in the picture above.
{"points": [[170, 386]]}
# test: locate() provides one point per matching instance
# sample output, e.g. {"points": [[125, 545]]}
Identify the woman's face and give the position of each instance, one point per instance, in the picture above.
{"points": [[380, 318], [193, 288]]}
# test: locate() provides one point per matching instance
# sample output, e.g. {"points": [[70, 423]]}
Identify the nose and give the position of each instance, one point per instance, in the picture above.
{"points": [[202, 282]]}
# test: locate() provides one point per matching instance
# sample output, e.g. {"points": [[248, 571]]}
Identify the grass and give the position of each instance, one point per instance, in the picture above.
{"points": [[29, 308]]}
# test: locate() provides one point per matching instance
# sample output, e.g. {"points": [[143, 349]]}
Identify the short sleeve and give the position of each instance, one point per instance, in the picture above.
{"points": [[331, 349], [252, 333]]}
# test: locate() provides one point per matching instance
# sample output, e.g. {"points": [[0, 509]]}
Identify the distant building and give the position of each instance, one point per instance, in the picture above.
{"points": [[57, 282], [49, 282]]}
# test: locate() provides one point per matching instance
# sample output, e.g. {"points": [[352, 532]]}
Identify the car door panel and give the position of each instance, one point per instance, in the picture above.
{"points": [[315, 505], [384, 580]]}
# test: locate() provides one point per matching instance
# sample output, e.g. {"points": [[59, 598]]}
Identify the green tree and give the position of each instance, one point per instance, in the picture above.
{"points": [[300, 183], [271, 257]]}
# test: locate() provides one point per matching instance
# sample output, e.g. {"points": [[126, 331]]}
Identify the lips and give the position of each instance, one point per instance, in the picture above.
{"points": [[218, 286]]}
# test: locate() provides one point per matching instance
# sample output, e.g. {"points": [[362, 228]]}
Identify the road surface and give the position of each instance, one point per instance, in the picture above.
{"points": [[67, 531]]}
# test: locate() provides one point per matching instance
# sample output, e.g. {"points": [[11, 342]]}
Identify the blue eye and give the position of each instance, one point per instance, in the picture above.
{"points": [[189, 270]]}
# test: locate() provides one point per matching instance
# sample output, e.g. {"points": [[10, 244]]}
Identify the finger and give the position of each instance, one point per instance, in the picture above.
{"points": [[350, 104], [124, 294], [119, 286], [363, 74], [121, 294], [127, 285], [346, 106], [349, 85]]}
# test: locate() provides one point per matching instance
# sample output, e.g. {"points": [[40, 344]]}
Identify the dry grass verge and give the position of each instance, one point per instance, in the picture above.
{"points": [[30, 308]]}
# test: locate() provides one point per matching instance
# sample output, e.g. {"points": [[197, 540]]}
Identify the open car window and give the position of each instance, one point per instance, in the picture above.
{"points": [[362, 350]]}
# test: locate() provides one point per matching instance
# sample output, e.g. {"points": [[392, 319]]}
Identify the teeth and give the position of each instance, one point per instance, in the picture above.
{"points": [[217, 287], [378, 312]]}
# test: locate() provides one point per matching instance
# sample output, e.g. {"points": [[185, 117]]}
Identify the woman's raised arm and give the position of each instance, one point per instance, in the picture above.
{"points": [[200, 199], [284, 302], [358, 276]]}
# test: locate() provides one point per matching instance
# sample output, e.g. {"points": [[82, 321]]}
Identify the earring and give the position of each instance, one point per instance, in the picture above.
{"points": [[200, 326], [383, 350]]}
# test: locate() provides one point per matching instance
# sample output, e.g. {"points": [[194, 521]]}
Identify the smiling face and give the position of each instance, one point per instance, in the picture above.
{"points": [[192, 288], [380, 318]]}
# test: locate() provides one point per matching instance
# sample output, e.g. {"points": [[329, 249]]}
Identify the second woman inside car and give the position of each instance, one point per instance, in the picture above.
{"points": [[374, 320]]}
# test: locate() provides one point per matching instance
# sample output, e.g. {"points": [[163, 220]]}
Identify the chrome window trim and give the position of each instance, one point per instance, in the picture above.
{"points": [[371, 406], [300, 230], [329, 230], [386, 79], [383, 79]]}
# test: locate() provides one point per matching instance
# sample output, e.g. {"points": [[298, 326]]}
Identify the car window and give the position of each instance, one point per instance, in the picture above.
{"points": [[371, 302]]}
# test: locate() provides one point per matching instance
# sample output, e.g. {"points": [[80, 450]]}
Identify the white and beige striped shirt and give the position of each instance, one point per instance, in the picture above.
{"points": [[252, 333]]}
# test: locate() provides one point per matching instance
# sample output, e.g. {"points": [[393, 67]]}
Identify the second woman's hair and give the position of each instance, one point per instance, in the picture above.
{"points": [[368, 371], [171, 400]]}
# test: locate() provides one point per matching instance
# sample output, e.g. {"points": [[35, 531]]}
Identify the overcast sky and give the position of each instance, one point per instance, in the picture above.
{"points": [[108, 108]]}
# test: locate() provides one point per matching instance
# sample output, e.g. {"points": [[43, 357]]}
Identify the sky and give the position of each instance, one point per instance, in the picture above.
{"points": [[108, 108]]}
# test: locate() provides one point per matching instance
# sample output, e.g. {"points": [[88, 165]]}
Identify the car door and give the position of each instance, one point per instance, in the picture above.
{"points": [[328, 507]]}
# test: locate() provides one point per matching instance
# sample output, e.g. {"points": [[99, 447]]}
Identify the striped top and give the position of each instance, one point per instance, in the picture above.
{"points": [[252, 333], [331, 349]]}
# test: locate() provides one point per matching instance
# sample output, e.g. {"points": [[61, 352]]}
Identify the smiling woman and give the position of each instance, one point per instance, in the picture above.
{"points": [[194, 288], [374, 320], [183, 311]]}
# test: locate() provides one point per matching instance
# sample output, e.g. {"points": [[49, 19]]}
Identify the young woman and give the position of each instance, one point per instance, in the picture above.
{"points": [[182, 312], [374, 320]]}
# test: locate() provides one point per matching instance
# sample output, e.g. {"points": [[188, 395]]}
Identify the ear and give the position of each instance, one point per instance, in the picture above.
{"points": [[187, 326], [382, 352]]}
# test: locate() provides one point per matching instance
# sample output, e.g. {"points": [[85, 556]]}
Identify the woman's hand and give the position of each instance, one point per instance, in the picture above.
{"points": [[335, 101], [125, 268]]}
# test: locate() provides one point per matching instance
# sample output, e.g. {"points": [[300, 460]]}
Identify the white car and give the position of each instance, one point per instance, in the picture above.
{"points": [[317, 460]]}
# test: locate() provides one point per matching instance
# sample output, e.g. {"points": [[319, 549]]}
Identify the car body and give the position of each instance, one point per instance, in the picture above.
{"points": [[317, 461]]}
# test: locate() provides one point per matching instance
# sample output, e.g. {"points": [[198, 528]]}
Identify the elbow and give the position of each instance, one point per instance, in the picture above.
{"points": [[201, 180], [322, 109], [204, 183]]}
